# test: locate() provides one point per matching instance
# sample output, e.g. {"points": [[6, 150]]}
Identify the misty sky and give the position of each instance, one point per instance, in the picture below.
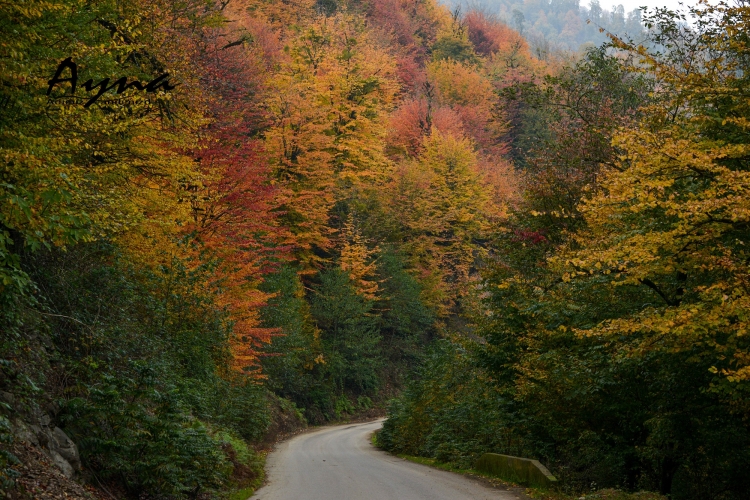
{"points": [[634, 4]]}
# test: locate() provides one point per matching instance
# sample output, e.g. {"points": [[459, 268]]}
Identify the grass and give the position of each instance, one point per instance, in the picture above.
{"points": [[242, 494], [536, 494], [431, 462], [608, 494]]}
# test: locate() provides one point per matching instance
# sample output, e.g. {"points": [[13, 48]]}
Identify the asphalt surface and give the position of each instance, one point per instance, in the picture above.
{"points": [[340, 463]]}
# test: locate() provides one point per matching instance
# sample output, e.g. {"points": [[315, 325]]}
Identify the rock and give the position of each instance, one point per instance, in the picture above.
{"points": [[24, 433], [52, 441], [7, 398], [41, 435], [52, 408], [63, 464], [45, 420], [40, 479], [66, 448]]}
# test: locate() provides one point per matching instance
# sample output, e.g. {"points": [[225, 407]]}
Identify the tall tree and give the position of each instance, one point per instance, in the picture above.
{"points": [[328, 121], [440, 205], [671, 216]]}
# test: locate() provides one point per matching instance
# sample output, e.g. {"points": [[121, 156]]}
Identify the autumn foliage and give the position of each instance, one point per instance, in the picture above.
{"points": [[330, 186], [611, 326]]}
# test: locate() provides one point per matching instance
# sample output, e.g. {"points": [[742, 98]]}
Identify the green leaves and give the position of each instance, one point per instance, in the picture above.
{"points": [[128, 428], [349, 333], [613, 333]]}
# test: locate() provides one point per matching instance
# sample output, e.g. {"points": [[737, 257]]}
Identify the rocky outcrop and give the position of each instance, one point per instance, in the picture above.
{"points": [[49, 465], [39, 479], [51, 440]]}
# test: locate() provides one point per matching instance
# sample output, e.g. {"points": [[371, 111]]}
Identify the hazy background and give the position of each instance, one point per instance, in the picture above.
{"points": [[563, 25], [634, 4]]}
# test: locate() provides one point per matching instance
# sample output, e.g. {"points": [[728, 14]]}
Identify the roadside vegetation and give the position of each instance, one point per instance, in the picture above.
{"points": [[610, 341]]}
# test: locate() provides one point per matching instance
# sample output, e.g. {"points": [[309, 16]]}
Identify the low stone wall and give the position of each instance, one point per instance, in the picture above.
{"points": [[518, 470]]}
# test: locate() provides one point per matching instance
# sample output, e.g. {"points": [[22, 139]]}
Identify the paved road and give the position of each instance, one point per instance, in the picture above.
{"points": [[339, 463]]}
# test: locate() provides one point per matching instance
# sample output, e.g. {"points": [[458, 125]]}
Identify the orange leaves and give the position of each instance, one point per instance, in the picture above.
{"points": [[274, 135], [501, 179], [459, 84], [327, 124], [413, 24], [234, 224], [415, 119], [452, 178], [469, 93], [233, 208], [280, 15], [505, 47], [247, 338]]}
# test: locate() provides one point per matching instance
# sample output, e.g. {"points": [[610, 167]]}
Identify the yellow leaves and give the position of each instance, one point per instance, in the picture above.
{"points": [[650, 182], [459, 84], [562, 213], [442, 205], [357, 260], [668, 218], [328, 106]]}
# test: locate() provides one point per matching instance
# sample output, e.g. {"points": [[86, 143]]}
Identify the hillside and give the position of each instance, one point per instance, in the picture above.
{"points": [[221, 222], [560, 25]]}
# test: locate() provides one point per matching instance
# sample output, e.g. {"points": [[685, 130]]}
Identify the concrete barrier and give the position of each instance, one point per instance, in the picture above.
{"points": [[517, 470]]}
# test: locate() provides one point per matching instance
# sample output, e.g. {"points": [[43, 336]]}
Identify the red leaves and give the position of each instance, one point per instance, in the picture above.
{"points": [[410, 73], [415, 119], [233, 207], [489, 35], [529, 236], [410, 22]]}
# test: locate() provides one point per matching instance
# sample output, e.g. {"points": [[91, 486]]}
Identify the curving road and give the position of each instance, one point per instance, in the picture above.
{"points": [[339, 463]]}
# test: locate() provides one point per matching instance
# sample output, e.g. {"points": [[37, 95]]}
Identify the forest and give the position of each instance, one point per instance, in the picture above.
{"points": [[556, 26], [222, 221]]}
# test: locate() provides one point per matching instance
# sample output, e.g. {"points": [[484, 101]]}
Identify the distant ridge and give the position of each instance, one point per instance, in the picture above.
{"points": [[559, 25]]}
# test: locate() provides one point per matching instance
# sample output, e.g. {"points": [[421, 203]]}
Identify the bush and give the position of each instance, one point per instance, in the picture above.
{"points": [[130, 430], [139, 364]]}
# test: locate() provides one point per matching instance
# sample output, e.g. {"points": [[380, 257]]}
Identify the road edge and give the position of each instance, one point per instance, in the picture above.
{"points": [[282, 438], [487, 480]]}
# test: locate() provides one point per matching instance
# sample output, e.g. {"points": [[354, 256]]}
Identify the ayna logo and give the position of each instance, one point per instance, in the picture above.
{"points": [[121, 84]]}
